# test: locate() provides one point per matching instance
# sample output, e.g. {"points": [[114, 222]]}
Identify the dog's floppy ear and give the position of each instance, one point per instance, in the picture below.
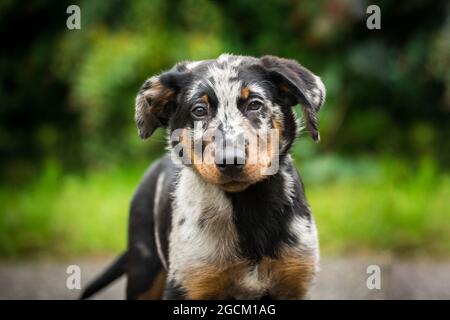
{"points": [[156, 100], [297, 84]]}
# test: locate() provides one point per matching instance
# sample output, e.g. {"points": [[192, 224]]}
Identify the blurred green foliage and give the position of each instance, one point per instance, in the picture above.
{"points": [[68, 95], [360, 205], [69, 152]]}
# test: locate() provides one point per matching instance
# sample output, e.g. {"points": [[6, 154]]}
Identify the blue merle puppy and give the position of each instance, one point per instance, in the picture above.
{"points": [[217, 225]]}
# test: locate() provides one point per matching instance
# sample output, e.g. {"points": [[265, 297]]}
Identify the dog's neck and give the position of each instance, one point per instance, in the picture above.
{"points": [[264, 212], [260, 215]]}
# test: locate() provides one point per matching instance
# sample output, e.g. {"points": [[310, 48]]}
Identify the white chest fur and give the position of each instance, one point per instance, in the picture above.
{"points": [[204, 234], [202, 225]]}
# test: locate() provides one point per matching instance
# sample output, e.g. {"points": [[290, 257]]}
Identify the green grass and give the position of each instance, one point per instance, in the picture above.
{"points": [[64, 214], [384, 207], [359, 205]]}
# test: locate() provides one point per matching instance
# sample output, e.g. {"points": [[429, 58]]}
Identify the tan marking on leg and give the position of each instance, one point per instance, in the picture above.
{"points": [[287, 277], [291, 276], [211, 282], [157, 289]]}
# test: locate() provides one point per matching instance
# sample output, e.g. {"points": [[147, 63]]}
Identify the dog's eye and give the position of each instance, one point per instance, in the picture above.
{"points": [[199, 111], [254, 105]]}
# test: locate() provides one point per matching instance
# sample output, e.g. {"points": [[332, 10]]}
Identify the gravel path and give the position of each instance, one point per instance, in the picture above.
{"points": [[340, 278]]}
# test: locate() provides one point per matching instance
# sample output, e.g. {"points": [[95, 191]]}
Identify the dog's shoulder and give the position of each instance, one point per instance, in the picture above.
{"points": [[152, 199], [150, 212]]}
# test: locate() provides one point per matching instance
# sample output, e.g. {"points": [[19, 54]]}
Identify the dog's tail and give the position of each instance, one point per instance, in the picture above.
{"points": [[113, 272]]}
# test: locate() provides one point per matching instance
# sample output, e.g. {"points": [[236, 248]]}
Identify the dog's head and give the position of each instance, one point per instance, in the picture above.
{"points": [[231, 118]]}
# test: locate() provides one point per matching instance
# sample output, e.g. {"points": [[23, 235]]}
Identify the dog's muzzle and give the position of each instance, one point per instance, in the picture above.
{"points": [[230, 161]]}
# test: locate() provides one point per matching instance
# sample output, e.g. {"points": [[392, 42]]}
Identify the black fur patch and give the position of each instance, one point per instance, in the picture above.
{"points": [[262, 215], [174, 291]]}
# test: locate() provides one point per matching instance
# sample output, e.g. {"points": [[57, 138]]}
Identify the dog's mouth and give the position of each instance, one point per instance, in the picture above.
{"points": [[235, 186]]}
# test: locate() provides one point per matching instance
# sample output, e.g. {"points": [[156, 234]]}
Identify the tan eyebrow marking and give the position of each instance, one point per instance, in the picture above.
{"points": [[245, 92], [205, 98]]}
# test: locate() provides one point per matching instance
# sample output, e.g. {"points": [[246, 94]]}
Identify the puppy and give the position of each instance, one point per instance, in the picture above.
{"points": [[223, 215]]}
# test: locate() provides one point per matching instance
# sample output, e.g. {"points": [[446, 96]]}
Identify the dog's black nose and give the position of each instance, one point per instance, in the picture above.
{"points": [[232, 161]]}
